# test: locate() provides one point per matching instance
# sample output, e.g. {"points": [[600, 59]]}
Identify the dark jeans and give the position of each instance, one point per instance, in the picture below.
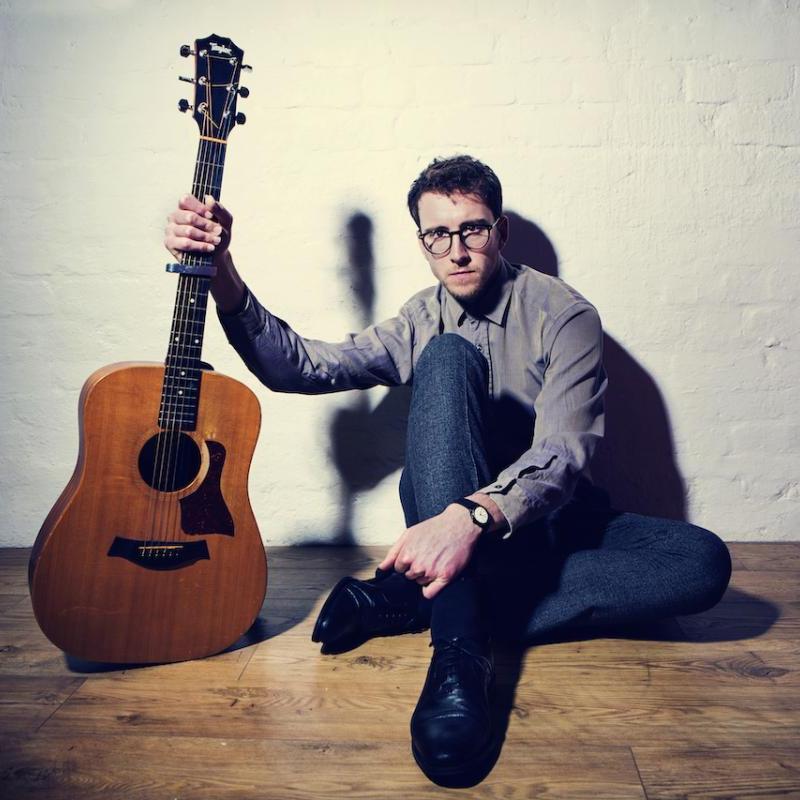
{"points": [[583, 565]]}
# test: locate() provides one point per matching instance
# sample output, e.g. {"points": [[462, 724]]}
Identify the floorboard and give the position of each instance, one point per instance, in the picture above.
{"points": [[705, 706]]}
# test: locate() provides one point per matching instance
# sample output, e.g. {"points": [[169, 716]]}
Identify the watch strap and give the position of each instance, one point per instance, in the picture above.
{"points": [[471, 505]]}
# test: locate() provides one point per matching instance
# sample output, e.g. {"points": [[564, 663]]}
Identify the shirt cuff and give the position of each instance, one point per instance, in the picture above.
{"points": [[243, 323], [513, 502]]}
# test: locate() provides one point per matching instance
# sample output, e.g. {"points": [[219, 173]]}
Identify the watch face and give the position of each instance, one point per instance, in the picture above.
{"points": [[481, 515]]}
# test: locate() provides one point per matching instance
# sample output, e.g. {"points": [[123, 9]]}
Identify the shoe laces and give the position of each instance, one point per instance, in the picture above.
{"points": [[395, 609], [448, 657]]}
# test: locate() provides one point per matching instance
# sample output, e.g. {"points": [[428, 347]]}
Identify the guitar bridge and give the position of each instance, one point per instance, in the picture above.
{"points": [[163, 555]]}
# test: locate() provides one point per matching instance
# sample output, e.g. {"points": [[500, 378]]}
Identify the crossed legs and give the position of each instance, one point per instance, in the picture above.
{"points": [[582, 565]]}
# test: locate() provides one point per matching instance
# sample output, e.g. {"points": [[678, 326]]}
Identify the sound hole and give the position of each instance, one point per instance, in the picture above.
{"points": [[169, 461]]}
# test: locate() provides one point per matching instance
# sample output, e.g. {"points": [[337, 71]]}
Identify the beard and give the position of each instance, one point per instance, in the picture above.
{"points": [[466, 295], [469, 294]]}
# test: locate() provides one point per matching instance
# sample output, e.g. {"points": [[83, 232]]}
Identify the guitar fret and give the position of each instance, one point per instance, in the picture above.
{"points": [[179, 397], [187, 386], [181, 386], [182, 382]]}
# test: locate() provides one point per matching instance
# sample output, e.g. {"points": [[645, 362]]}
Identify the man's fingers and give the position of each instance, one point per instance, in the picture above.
{"points": [[184, 217], [389, 559], [190, 232], [189, 202], [386, 565], [402, 565], [186, 245], [192, 229], [218, 211], [433, 588]]}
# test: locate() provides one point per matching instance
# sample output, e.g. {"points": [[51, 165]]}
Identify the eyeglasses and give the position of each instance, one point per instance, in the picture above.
{"points": [[473, 235]]}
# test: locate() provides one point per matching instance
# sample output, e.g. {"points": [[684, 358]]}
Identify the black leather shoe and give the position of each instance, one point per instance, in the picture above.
{"points": [[358, 610], [451, 728]]}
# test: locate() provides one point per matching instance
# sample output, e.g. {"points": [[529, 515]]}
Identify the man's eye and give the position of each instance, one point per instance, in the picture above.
{"points": [[439, 234], [472, 228]]}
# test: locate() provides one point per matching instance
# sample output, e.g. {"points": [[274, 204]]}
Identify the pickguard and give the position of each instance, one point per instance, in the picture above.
{"points": [[204, 511]]}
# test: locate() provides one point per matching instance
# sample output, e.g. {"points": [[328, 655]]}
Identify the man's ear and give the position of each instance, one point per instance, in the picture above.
{"points": [[503, 228]]}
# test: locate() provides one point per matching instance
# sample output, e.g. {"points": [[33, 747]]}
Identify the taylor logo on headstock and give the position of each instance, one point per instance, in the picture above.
{"points": [[218, 66]]}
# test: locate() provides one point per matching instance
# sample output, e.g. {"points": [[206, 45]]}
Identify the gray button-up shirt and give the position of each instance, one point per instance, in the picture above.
{"points": [[544, 345]]}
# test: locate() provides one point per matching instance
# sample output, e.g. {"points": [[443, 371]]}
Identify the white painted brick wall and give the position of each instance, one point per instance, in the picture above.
{"points": [[655, 145]]}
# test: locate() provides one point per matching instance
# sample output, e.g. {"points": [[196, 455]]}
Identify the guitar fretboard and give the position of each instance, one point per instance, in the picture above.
{"points": [[181, 388]]}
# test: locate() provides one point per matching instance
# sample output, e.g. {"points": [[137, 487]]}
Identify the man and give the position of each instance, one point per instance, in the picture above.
{"points": [[505, 534]]}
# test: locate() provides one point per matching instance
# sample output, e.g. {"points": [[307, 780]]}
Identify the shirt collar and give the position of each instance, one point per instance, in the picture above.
{"points": [[494, 303]]}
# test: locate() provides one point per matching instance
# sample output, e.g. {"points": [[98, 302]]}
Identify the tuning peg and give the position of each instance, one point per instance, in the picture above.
{"points": [[183, 105], [241, 119], [247, 67], [244, 91], [184, 78], [186, 51]]}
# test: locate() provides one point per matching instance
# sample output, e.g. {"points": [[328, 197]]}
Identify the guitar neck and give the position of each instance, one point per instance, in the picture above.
{"points": [[218, 65], [180, 393]]}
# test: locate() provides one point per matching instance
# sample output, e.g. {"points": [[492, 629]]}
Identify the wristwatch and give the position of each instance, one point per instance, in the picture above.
{"points": [[480, 516]]}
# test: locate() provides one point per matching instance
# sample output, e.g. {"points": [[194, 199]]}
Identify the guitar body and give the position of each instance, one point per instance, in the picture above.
{"points": [[125, 572]]}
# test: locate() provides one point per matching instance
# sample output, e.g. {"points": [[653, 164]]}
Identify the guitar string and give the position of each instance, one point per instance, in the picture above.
{"points": [[209, 166], [176, 415], [166, 438], [175, 411], [191, 305]]}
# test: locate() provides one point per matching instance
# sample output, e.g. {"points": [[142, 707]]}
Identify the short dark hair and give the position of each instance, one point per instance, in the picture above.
{"points": [[457, 175]]}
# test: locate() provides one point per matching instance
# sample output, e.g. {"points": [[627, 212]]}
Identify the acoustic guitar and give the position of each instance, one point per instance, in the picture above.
{"points": [[152, 554]]}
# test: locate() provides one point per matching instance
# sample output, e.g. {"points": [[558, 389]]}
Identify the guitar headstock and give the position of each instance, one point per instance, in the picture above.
{"points": [[218, 66]]}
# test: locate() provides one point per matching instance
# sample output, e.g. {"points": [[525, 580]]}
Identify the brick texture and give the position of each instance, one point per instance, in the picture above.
{"points": [[655, 146]]}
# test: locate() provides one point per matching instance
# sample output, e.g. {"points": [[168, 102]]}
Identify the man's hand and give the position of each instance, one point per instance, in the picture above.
{"points": [[435, 551], [197, 227], [205, 228]]}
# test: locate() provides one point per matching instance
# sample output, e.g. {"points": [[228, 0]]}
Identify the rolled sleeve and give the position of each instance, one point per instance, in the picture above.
{"points": [[569, 421]]}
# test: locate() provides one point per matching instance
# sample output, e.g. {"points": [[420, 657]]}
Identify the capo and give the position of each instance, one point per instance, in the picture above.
{"points": [[202, 270]]}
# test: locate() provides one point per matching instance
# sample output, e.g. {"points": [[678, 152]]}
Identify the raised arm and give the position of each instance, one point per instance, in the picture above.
{"points": [[282, 359]]}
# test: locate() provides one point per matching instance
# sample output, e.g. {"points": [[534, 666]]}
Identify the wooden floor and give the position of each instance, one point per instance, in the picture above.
{"points": [[706, 706]]}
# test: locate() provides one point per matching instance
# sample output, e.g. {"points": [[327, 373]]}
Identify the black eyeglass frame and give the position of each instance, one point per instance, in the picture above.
{"points": [[484, 226]]}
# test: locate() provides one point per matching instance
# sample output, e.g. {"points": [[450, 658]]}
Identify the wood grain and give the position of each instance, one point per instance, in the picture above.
{"points": [[108, 609], [671, 772], [319, 769], [706, 706]]}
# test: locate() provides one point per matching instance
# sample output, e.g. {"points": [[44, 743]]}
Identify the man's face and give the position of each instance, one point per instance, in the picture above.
{"points": [[463, 272]]}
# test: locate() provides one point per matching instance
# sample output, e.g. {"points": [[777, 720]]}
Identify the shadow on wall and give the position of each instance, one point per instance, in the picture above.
{"points": [[635, 463], [368, 444]]}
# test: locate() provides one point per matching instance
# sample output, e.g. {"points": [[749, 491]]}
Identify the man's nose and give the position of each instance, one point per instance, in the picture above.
{"points": [[459, 253]]}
